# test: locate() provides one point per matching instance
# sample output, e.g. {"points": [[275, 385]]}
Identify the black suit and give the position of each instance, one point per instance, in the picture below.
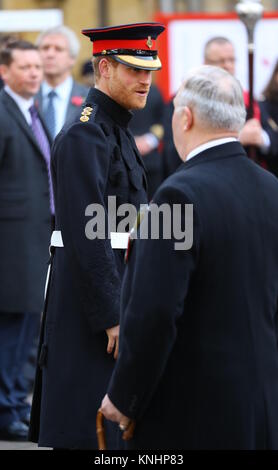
{"points": [[24, 235], [198, 363]]}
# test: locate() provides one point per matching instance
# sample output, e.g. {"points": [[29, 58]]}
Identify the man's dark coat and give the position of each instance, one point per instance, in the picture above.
{"points": [[91, 161], [24, 213], [198, 363]]}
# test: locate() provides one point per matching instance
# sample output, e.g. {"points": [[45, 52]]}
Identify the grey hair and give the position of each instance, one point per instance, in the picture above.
{"points": [[69, 34], [215, 96]]}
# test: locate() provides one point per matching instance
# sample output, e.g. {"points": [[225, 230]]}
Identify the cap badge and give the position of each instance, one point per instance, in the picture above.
{"points": [[84, 118], [149, 42]]}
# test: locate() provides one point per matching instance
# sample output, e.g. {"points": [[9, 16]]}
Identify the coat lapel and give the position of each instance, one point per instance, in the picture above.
{"points": [[17, 115]]}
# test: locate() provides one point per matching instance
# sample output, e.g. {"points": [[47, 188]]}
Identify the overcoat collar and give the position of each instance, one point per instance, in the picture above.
{"points": [[214, 153]]}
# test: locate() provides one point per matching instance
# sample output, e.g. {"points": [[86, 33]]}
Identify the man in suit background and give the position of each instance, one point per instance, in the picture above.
{"points": [[198, 360], [25, 201], [60, 97], [219, 51]]}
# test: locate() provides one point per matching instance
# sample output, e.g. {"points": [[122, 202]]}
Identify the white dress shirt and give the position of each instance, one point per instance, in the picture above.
{"points": [[60, 101], [23, 103]]}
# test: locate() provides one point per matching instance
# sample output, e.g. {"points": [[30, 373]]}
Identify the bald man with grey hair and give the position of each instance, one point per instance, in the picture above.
{"points": [[209, 104], [216, 98], [198, 362]]}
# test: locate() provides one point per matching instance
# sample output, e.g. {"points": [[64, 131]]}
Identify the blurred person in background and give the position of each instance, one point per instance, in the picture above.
{"points": [[269, 117], [25, 220], [87, 74], [147, 128], [4, 40], [60, 98], [219, 51]]}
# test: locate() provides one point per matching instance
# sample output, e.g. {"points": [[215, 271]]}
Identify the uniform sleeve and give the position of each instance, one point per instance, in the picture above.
{"points": [[81, 160], [157, 279]]}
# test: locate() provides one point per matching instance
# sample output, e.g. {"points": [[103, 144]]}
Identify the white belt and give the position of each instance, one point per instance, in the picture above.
{"points": [[119, 241], [56, 239]]}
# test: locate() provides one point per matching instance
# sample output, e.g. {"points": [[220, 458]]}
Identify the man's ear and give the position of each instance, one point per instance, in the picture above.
{"points": [[105, 68], [188, 118]]}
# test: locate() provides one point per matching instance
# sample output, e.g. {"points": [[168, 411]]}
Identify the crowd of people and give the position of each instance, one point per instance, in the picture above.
{"points": [[157, 335]]}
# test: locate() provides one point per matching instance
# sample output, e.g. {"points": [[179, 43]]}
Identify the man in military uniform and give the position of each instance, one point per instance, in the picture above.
{"points": [[94, 158]]}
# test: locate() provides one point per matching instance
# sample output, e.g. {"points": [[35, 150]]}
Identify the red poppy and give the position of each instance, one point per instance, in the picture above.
{"points": [[77, 100]]}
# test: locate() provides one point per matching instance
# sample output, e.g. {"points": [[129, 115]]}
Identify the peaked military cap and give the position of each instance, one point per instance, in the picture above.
{"points": [[133, 45]]}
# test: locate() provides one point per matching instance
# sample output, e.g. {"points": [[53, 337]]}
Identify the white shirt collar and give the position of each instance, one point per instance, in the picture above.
{"points": [[63, 90], [208, 145], [23, 103]]}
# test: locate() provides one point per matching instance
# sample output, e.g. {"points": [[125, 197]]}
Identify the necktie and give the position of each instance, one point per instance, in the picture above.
{"points": [[49, 114], [43, 143]]}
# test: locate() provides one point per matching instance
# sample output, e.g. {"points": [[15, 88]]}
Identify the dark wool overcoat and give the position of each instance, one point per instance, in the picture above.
{"points": [[198, 363], [92, 159]]}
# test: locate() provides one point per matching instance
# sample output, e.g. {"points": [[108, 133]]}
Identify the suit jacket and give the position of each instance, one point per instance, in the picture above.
{"points": [[24, 213], [74, 108], [198, 362]]}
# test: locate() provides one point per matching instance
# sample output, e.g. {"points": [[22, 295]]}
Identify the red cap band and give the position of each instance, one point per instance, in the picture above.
{"points": [[147, 44]]}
